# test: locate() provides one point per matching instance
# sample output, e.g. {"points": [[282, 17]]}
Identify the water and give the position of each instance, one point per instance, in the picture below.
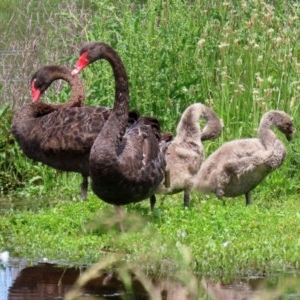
{"points": [[45, 281], [50, 281]]}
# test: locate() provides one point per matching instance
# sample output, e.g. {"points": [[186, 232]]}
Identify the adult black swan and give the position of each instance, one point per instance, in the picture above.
{"points": [[59, 135], [126, 164]]}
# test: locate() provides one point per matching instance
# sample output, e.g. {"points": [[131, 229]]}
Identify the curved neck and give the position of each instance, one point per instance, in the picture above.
{"points": [[188, 126], [121, 81], [213, 126], [114, 128], [265, 132], [77, 95]]}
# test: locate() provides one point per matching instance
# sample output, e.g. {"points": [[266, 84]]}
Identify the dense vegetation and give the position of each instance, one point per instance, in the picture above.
{"points": [[240, 58]]}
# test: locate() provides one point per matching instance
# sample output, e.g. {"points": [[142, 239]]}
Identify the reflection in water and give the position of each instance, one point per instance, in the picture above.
{"points": [[283, 286], [8, 274], [237, 290], [47, 281], [44, 281]]}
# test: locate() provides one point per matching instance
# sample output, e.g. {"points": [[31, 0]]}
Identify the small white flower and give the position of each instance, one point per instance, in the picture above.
{"points": [[184, 90], [270, 31], [226, 244], [223, 45], [260, 58], [201, 43], [241, 87], [4, 256]]}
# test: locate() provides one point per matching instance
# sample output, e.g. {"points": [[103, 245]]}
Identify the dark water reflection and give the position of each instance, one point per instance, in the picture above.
{"points": [[48, 281]]}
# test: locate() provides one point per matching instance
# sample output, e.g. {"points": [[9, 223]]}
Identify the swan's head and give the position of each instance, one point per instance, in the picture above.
{"points": [[89, 53], [43, 77], [212, 130], [36, 86], [281, 120], [287, 128]]}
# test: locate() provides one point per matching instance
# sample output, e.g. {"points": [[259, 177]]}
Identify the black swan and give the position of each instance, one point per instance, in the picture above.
{"points": [[126, 165], [59, 135], [185, 153], [238, 166]]}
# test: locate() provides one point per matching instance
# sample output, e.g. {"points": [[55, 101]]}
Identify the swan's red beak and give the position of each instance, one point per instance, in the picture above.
{"points": [[82, 62], [35, 93]]}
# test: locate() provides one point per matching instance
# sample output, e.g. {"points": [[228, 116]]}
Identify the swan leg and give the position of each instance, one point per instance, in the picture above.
{"points": [[167, 182], [186, 198], [84, 187], [152, 202], [220, 194], [120, 216], [248, 198]]}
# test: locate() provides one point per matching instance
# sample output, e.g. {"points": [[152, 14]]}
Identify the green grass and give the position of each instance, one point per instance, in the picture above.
{"points": [[247, 59], [240, 58], [224, 240]]}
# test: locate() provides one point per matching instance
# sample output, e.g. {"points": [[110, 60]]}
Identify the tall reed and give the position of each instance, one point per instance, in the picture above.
{"points": [[240, 58]]}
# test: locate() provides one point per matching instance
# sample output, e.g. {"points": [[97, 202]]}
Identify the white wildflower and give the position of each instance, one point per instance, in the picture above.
{"points": [[201, 44], [223, 45]]}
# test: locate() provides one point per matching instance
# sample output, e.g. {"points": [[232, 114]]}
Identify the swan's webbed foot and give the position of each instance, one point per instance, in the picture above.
{"points": [[152, 202], [167, 181], [84, 187], [248, 198], [186, 198]]}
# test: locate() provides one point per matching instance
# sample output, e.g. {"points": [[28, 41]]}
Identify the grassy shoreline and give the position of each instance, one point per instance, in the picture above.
{"points": [[223, 241]]}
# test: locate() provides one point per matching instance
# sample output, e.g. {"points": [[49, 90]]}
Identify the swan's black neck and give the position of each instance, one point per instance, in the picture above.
{"points": [[44, 77], [77, 95], [109, 138], [120, 75]]}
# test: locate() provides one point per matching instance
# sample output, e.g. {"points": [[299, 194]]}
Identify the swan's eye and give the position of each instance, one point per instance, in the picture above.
{"points": [[37, 83]]}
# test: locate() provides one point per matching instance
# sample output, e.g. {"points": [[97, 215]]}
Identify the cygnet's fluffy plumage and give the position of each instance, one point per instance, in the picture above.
{"points": [[185, 153], [237, 167]]}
